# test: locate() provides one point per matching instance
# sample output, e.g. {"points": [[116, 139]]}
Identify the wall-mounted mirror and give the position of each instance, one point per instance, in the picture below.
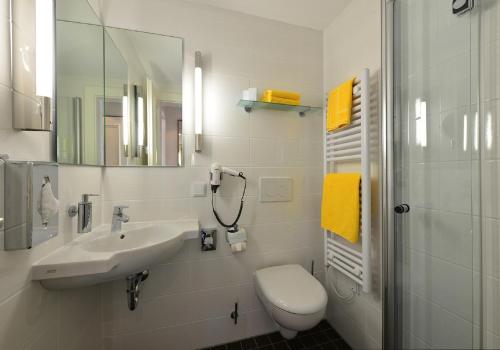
{"points": [[119, 96], [143, 99], [80, 93]]}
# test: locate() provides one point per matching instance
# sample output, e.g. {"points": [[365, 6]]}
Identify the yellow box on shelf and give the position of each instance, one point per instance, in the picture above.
{"points": [[279, 100], [289, 95]]}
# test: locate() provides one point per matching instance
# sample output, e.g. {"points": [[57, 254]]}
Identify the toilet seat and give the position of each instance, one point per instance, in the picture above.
{"points": [[292, 289]]}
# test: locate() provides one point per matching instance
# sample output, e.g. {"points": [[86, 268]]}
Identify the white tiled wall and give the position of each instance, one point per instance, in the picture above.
{"points": [[187, 300], [30, 316], [352, 42]]}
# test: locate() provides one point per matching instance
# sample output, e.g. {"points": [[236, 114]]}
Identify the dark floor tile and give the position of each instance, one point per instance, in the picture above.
{"points": [[248, 344], [262, 340], [282, 345], [234, 346], [324, 325], [307, 341], [332, 334], [295, 344], [275, 337], [329, 346], [318, 328], [267, 347], [305, 333], [321, 338], [342, 345]]}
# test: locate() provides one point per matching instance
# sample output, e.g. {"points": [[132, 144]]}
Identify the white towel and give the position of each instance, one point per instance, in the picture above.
{"points": [[48, 205]]}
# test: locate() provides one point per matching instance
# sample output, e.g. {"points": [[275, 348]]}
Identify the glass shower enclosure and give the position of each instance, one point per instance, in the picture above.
{"points": [[442, 189]]}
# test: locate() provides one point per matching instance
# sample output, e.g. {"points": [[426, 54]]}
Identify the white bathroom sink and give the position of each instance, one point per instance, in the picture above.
{"points": [[102, 256]]}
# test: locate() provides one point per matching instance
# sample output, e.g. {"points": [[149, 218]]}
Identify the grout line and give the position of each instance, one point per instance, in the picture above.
{"points": [[16, 293]]}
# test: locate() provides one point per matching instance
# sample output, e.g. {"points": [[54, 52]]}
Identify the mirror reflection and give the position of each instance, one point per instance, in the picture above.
{"points": [[119, 97], [143, 104], [80, 91]]}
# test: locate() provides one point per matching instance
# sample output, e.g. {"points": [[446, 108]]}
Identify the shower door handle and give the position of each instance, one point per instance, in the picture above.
{"points": [[402, 209]]}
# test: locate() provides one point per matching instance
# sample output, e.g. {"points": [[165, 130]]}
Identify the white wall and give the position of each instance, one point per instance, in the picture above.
{"points": [[187, 300], [30, 316], [350, 43]]}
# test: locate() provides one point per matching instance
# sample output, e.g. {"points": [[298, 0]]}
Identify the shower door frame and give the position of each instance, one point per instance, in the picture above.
{"points": [[391, 304], [392, 308]]}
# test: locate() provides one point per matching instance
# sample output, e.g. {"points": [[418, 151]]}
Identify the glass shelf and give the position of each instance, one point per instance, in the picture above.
{"points": [[302, 110]]}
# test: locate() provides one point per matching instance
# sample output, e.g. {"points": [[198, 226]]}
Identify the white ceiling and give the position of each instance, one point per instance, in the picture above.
{"points": [[315, 14]]}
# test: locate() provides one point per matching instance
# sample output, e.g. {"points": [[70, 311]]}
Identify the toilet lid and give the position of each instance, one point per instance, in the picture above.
{"points": [[291, 288]]}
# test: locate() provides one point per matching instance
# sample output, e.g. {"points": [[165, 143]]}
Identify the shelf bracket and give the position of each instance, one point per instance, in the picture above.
{"points": [[248, 109]]}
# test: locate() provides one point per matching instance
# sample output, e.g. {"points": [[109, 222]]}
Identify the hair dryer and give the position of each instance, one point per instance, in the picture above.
{"points": [[216, 171]]}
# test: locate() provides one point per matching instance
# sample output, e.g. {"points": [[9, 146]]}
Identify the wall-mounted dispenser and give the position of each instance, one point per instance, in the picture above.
{"points": [[30, 203]]}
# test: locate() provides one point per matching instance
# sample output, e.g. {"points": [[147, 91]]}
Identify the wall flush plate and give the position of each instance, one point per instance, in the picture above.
{"points": [[275, 189], [199, 189]]}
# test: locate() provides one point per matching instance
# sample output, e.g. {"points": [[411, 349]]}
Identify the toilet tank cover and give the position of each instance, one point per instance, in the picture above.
{"points": [[291, 288]]}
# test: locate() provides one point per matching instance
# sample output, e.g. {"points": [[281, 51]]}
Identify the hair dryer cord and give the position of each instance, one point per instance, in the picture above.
{"points": [[239, 211]]}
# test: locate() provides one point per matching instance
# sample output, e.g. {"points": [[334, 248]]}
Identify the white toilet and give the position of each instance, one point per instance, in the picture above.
{"points": [[294, 299]]}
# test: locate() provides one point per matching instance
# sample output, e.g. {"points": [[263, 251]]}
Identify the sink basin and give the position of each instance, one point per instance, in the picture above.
{"points": [[102, 256]]}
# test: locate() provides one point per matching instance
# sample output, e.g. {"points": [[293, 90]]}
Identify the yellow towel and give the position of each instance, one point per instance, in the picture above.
{"points": [[340, 205], [282, 94], [280, 100], [339, 106]]}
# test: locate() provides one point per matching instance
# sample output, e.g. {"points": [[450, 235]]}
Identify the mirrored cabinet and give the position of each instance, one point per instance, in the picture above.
{"points": [[119, 96]]}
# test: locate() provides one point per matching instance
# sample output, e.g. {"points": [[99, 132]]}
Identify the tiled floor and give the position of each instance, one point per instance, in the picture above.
{"points": [[321, 337]]}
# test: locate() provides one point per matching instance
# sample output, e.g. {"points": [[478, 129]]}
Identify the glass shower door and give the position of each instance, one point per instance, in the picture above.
{"points": [[436, 171]]}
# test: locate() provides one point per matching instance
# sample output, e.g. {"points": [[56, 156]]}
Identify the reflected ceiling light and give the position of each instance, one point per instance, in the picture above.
{"points": [[476, 132], [421, 122], [198, 101], [465, 133], [489, 131]]}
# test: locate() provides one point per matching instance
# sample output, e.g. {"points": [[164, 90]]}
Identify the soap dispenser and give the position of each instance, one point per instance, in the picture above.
{"points": [[85, 214]]}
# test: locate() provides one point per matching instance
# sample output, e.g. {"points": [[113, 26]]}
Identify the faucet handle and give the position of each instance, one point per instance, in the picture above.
{"points": [[85, 196], [118, 209]]}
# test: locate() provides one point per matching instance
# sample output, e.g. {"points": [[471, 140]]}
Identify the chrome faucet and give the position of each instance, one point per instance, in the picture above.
{"points": [[85, 214], [118, 217]]}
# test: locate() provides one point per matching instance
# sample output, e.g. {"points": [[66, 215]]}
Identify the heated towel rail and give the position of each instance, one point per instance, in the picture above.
{"points": [[346, 148]]}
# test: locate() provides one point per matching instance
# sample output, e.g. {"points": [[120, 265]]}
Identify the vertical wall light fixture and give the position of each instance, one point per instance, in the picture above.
{"points": [[149, 120], [32, 66], [140, 123], [125, 120], [44, 12], [198, 101]]}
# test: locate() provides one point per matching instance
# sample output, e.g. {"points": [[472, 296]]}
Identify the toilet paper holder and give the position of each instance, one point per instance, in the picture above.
{"points": [[237, 238]]}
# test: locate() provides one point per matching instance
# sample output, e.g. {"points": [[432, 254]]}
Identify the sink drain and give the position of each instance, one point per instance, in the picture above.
{"points": [[133, 288]]}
